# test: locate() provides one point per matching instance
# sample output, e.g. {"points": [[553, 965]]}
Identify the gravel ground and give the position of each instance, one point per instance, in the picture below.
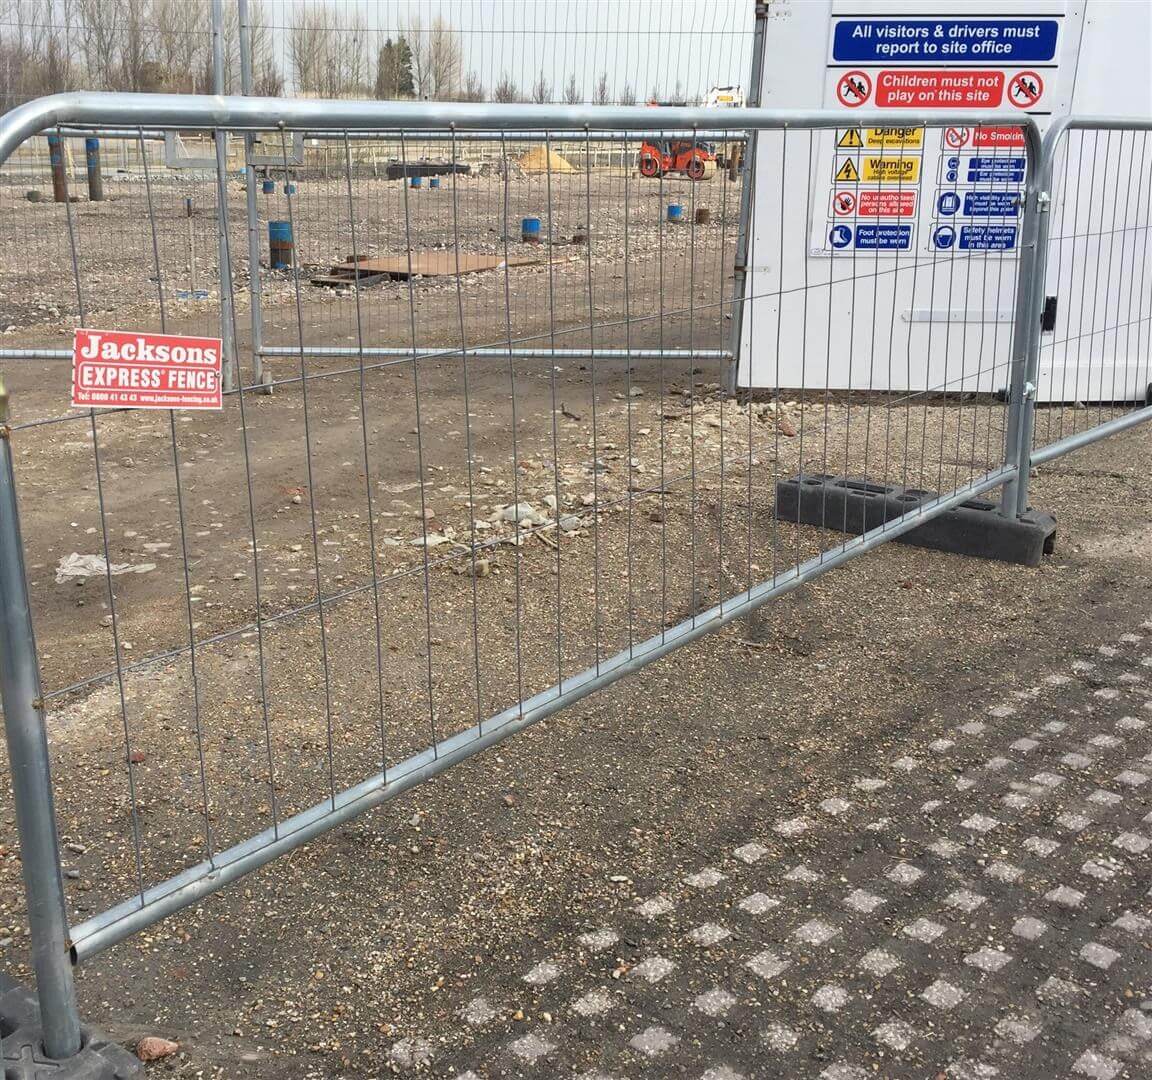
{"points": [[119, 276], [320, 965], [346, 948]]}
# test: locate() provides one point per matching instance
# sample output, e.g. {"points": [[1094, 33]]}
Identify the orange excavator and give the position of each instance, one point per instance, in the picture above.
{"points": [[693, 159]]}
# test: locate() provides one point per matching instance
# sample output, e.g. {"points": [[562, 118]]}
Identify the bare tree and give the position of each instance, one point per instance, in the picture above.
{"points": [[505, 90], [473, 88], [445, 58], [328, 49], [351, 59], [267, 81], [627, 95], [601, 96], [572, 91], [180, 46], [310, 49], [413, 32], [437, 58], [99, 26], [541, 89], [34, 54], [141, 45]]}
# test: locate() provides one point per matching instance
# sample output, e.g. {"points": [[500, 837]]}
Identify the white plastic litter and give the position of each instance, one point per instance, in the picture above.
{"points": [[76, 566]]}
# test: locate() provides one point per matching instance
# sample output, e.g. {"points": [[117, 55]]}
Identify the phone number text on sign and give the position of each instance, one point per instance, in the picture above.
{"points": [[113, 369]]}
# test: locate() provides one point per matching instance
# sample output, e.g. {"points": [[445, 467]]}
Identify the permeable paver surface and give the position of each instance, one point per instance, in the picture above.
{"points": [[977, 905]]}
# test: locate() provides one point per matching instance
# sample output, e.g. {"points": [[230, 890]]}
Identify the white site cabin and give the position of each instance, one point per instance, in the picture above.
{"points": [[886, 258]]}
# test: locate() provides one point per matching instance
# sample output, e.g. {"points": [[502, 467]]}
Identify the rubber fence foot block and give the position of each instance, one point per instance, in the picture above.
{"points": [[851, 505], [22, 1054]]}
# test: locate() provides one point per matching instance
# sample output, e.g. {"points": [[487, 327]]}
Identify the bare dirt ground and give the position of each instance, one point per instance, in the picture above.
{"points": [[388, 497]]}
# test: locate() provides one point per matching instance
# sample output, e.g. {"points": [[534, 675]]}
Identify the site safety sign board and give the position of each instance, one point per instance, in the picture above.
{"points": [[904, 55], [113, 369], [897, 138], [974, 237], [877, 237], [978, 204], [953, 41], [874, 203]]}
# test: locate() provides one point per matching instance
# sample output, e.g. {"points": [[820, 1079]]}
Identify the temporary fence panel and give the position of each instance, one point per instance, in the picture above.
{"points": [[932, 213], [645, 51], [1092, 297], [1095, 308], [259, 622], [1091, 348]]}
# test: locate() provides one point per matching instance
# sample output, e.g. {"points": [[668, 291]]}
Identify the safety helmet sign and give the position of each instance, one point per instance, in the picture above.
{"points": [[944, 237]]}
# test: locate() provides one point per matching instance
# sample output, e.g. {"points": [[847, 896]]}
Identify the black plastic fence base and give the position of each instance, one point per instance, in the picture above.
{"points": [[22, 1052], [973, 528]]}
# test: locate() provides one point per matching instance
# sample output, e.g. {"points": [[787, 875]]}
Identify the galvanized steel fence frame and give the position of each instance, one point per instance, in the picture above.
{"points": [[56, 947]]}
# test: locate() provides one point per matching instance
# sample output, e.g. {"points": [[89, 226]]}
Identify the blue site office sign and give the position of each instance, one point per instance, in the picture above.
{"points": [[916, 41]]}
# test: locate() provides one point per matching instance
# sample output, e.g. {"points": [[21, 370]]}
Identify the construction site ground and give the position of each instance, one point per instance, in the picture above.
{"points": [[616, 892]]}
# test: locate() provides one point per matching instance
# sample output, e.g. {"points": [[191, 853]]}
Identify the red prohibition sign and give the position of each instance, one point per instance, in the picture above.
{"points": [[1025, 89], [956, 137], [853, 89], [844, 202]]}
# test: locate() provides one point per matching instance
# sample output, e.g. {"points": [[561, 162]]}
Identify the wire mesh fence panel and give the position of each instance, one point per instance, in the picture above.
{"points": [[456, 50], [462, 50], [499, 467], [1093, 366]]}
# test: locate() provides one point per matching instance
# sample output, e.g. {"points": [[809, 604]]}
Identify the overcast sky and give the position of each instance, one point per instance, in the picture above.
{"points": [[646, 43]]}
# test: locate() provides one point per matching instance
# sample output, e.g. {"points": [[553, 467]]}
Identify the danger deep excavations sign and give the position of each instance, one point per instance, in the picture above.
{"points": [[114, 369]]}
